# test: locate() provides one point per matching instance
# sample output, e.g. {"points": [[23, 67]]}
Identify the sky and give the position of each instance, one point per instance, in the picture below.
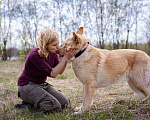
{"points": [[141, 27]]}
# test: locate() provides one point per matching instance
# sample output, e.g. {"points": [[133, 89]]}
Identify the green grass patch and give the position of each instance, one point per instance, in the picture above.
{"points": [[106, 108], [65, 76]]}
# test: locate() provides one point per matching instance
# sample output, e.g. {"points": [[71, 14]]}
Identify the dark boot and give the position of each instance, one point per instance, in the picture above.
{"points": [[24, 104]]}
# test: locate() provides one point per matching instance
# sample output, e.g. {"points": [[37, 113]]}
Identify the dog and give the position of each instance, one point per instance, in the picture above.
{"points": [[97, 68]]}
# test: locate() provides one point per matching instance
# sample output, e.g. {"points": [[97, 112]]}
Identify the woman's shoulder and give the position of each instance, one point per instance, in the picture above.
{"points": [[35, 49], [34, 52]]}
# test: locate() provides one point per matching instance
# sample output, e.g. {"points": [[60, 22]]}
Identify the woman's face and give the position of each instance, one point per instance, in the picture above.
{"points": [[53, 47]]}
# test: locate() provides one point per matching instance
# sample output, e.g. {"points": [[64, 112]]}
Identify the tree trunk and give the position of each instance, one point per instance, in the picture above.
{"points": [[127, 37], [4, 51]]}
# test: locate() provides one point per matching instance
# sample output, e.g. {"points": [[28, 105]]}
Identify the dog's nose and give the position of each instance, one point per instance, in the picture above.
{"points": [[57, 51], [61, 55]]}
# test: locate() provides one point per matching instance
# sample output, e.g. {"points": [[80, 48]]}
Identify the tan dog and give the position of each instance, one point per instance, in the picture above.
{"points": [[100, 68]]}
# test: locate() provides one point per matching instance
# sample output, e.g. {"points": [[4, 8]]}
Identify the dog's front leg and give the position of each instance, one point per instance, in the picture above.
{"points": [[88, 94]]}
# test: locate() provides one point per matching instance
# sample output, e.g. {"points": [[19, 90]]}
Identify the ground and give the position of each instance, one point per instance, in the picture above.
{"points": [[113, 102]]}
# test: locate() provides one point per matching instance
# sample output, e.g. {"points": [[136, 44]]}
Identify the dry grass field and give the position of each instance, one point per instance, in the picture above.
{"points": [[115, 102]]}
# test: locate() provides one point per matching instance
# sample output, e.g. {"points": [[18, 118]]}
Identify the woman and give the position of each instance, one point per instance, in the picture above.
{"points": [[41, 62]]}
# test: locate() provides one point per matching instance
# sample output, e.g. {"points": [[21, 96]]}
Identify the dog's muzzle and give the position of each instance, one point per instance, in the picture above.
{"points": [[57, 51]]}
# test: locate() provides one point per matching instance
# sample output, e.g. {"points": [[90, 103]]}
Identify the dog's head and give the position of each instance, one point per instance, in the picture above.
{"points": [[75, 41]]}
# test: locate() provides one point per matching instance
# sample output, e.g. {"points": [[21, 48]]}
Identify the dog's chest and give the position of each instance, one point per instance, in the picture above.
{"points": [[80, 69], [84, 70]]}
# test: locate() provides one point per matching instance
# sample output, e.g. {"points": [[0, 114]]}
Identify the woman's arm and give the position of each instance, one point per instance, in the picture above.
{"points": [[63, 68], [62, 65]]}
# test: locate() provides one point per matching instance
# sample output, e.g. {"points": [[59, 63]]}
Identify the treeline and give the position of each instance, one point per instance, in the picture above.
{"points": [[110, 24], [14, 53]]}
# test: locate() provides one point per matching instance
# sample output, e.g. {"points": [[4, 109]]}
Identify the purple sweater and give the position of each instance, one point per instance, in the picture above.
{"points": [[37, 68]]}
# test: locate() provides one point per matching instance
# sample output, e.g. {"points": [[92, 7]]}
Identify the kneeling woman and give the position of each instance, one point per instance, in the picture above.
{"points": [[41, 62]]}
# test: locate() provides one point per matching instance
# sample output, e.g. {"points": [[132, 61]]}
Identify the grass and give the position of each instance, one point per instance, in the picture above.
{"points": [[115, 102]]}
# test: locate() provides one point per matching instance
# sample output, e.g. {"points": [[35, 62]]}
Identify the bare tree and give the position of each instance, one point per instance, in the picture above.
{"points": [[30, 17], [117, 14], [109, 22], [0, 28], [132, 10], [6, 29], [99, 10], [4, 36], [147, 31]]}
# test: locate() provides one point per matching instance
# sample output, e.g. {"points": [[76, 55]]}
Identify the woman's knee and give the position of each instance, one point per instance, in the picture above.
{"points": [[47, 104], [65, 103], [58, 95]]}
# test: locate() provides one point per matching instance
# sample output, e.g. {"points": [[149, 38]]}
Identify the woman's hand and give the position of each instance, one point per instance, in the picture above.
{"points": [[70, 54], [62, 65]]}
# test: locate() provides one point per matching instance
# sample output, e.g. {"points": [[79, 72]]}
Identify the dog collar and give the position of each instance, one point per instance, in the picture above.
{"points": [[80, 52]]}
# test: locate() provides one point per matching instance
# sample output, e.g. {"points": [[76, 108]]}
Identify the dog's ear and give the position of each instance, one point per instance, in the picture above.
{"points": [[75, 37], [80, 31], [41, 35]]}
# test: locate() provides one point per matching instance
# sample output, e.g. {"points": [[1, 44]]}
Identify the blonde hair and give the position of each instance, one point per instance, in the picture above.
{"points": [[46, 37]]}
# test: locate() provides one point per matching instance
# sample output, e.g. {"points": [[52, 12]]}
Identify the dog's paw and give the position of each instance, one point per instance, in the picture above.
{"points": [[78, 109], [77, 113]]}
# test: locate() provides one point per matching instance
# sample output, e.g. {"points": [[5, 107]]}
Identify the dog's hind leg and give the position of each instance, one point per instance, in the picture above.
{"points": [[88, 94], [147, 91], [140, 92]]}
